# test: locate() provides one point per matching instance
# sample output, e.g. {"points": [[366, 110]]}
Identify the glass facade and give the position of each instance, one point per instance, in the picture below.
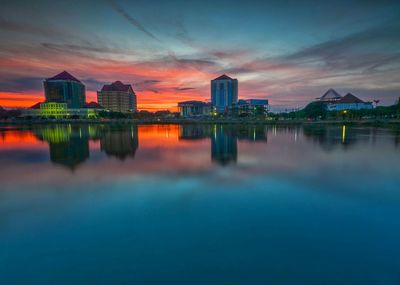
{"points": [[65, 91], [224, 93]]}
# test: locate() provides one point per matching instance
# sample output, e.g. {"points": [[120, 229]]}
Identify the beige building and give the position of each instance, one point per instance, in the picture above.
{"points": [[117, 97]]}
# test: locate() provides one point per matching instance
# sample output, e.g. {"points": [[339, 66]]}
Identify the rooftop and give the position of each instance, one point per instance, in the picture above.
{"points": [[93, 105], [253, 101], [36, 106], [64, 76], [117, 86], [194, 103], [224, 77], [350, 98], [330, 95]]}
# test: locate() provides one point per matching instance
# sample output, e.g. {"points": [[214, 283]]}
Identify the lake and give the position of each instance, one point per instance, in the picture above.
{"points": [[199, 204]]}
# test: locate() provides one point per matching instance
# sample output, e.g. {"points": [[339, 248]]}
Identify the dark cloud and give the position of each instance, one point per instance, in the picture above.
{"points": [[132, 20], [368, 50], [237, 70], [182, 34], [20, 84], [29, 29], [184, 88], [93, 84], [81, 48], [183, 62], [196, 62], [146, 82]]}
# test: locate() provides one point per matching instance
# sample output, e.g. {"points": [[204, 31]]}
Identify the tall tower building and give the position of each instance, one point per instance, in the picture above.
{"points": [[65, 88], [117, 97], [224, 93]]}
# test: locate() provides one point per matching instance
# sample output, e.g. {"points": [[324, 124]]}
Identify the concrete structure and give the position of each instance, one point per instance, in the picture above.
{"points": [[194, 108], [224, 93], [253, 106], [65, 88], [349, 102], [118, 97]]}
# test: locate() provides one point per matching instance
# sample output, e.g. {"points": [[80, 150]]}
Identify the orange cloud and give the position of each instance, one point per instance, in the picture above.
{"points": [[20, 100]]}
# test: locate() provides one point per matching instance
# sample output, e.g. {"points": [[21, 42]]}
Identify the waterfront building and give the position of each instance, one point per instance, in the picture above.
{"points": [[55, 110], [65, 88], [194, 108], [224, 93], [349, 102], [330, 96], [253, 107], [118, 97]]}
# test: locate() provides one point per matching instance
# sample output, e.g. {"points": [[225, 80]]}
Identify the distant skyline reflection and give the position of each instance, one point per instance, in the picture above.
{"points": [[71, 145]]}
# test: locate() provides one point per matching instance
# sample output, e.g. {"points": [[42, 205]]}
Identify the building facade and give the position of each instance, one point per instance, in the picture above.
{"points": [[253, 107], [54, 110], [194, 108], [349, 102], [224, 93], [118, 97], [65, 88]]}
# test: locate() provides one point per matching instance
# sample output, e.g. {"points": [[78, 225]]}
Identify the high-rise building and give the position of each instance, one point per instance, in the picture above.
{"points": [[117, 97], [224, 93], [65, 88]]}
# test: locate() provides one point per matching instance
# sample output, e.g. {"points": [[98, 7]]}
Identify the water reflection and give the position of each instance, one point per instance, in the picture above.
{"points": [[224, 138], [267, 195], [71, 145], [120, 142], [68, 144], [329, 137], [224, 145]]}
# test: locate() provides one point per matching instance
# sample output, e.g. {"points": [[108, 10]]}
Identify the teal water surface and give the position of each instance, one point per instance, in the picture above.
{"points": [[213, 204]]}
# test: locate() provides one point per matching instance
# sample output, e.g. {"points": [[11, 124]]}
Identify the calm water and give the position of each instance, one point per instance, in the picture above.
{"points": [[199, 205]]}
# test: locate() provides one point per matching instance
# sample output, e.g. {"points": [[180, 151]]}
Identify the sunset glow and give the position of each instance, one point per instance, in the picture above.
{"points": [[171, 56]]}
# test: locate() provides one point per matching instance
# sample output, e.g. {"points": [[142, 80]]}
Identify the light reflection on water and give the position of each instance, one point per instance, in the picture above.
{"points": [[199, 204]]}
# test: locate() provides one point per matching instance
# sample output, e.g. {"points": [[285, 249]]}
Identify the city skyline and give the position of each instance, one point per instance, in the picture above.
{"points": [[289, 55]]}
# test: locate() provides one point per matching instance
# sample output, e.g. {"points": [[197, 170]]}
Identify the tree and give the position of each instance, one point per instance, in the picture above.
{"points": [[315, 110]]}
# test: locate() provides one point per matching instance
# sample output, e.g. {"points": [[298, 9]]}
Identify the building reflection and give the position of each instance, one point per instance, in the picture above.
{"points": [[252, 133], [120, 141], [224, 138], [223, 145], [194, 132], [68, 144], [329, 137]]}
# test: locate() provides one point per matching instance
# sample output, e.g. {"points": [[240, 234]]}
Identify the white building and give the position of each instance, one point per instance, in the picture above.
{"points": [[349, 102]]}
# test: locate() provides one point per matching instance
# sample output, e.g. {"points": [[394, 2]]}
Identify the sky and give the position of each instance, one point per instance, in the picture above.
{"points": [[289, 52]]}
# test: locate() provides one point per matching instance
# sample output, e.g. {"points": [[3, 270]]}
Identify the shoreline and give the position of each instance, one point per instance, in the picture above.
{"points": [[230, 121]]}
